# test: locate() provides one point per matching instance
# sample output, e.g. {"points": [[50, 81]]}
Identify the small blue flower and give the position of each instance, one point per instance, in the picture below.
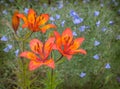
{"points": [[118, 37], [52, 18], [96, 13], [45, 5], [9, 46], [26, 10], [104, 29], [82, 28], [7, 49], [96, 43], [107, 66], [98, 23], [102, 5], [36, 0], [6, 4], [74, 33], [57, 16], [77, 20], [11, 0], [96, 57], [86, 1], [73, 13], [1, 1], [119, 11], [111, 22], [60, 4], [17, 52], [62, 23], [5, 12], [82, 74], [4, 38]]}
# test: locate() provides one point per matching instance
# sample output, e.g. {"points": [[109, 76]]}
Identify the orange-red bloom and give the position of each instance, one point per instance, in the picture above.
{"points": [[15, 21], [42, 50], [66, 45], [35, 23]]}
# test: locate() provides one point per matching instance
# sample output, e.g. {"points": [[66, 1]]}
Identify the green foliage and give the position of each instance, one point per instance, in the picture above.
{"points": [[97, 77]]}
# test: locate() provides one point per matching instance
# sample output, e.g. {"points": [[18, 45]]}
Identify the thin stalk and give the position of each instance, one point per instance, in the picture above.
{"points": [[59, 58], [52, 74]]}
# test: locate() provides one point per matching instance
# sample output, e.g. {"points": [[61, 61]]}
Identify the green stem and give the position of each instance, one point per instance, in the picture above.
{"points": [[52, 74], [59, 58]]}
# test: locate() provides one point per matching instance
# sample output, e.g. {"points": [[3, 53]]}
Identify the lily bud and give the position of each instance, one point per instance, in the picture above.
{"points": [[15, 21]]}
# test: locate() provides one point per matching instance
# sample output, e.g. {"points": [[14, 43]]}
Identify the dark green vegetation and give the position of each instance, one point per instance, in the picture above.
{"points": [[97, 76]]}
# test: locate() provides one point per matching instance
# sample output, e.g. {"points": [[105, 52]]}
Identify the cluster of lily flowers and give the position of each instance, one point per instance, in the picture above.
{"points": [[35, 44], [41, 51]]}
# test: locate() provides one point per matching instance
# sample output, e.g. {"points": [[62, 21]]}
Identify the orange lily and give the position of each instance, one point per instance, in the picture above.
{"points": [[15, 21], [35, 23], [42, 51], [66, 45]]}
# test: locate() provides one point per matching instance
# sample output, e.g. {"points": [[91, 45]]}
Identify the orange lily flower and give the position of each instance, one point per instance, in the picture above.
{"points": [[15, 21], [35, 23], [42, 50], [66, 45]]}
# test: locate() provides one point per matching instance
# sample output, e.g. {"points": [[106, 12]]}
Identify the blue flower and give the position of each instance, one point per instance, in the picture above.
{"points": [[6, 4], [82, 28], [82, 74], [96, 43], [118, 37], [111, 22], [77, 20], [107, 66], [5, 12], [86, 1], [57, 16], [104, 29], [17, 52], [4, 38], [96, 13], [45, 5], [62, 23], [119, 11], [74, 33], [7, 49], [60, 4], [96, 57], [52, 18], [98, 23], [73, 13], [102, 5], [11, 0], [26, 10]]}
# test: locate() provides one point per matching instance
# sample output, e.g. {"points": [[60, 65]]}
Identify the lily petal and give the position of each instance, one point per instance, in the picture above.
{"points": [[22, 16], [50, 63], [31, 16], [42, 19], [29, 55], [34, 65], [76, 43], [36, 46], [48, 46], [46, 27], [82, 51], [58, 39], [67, 36]]}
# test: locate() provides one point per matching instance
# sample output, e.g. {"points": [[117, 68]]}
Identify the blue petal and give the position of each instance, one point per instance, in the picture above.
{"points": [[96, 57], [4, 38], [107, 66], [96, 43], [82, 74]]}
